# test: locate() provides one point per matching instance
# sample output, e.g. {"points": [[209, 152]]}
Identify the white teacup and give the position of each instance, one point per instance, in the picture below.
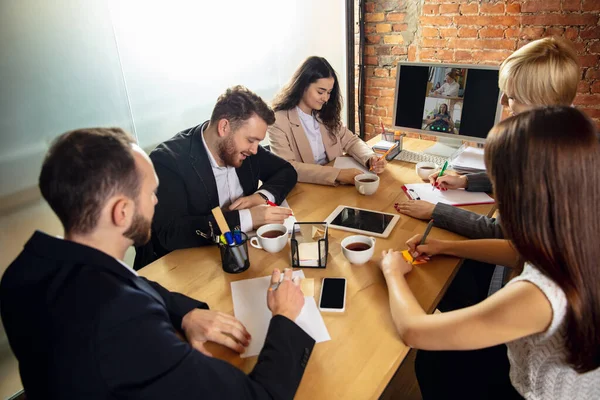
{"points": [[366, 184], [271, 238], [358, 249], [426, 168]]}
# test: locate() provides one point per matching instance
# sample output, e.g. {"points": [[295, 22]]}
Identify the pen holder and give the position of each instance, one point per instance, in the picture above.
{"points": [[309, 244], [234, 258]]}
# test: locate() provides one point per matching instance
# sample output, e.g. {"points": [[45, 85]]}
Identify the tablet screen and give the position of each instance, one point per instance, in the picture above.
{"points": [[361, 219]]}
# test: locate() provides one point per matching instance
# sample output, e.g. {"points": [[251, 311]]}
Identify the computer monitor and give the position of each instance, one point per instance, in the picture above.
{"points": [[458, 102]]}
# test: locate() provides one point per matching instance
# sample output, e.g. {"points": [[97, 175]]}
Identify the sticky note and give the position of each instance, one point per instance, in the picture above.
{"points": [[408, 257]]}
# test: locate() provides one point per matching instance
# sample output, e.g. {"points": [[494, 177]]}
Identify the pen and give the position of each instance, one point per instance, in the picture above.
{"points": [[385, 154], [269, 202], [441, 173], [427, 230]]}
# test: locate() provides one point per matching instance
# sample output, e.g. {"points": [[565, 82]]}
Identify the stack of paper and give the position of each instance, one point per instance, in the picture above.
{"points": [[469, 160], [250, 308], [459, 197], [383, 145], [349, 162]]}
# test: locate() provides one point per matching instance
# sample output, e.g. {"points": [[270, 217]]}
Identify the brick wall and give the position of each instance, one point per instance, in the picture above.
{"points": [[471, 32]]}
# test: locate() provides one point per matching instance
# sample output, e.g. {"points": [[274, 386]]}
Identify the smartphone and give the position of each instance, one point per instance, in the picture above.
{"points": [[333, 295]]}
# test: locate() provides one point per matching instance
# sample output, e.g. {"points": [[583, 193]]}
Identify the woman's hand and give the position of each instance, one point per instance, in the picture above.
{"points": [[377, 164], [431, 247], [392, 261]]}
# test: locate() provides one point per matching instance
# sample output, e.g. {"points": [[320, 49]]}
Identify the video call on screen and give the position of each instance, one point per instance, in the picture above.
{"points": [[464, 104]]}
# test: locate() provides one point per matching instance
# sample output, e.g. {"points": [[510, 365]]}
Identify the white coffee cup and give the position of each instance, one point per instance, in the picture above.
{"points": [[357, 256], [426, 168], [270, 244], [366, 188]]}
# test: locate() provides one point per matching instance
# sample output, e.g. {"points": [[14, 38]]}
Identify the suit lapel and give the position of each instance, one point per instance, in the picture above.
{"points": [[300, 137], [328, 143], [201, 165]]}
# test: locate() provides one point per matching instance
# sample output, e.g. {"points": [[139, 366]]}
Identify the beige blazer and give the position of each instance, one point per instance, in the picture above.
{"points": [[288, 140]]}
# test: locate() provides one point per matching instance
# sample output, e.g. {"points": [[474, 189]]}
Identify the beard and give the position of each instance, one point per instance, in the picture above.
{"points": [[140, 230], [228, 153]]}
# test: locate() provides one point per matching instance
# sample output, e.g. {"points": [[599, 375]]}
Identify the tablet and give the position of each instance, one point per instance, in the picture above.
{"points": [[360, 220]]}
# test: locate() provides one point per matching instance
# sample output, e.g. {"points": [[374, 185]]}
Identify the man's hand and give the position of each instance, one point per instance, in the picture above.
{"points": [[262, 215], [346, 175], [287, 299], [392, 261], [447, 182], [246, 202], [420, 209], [201, 326], [377, 164]]}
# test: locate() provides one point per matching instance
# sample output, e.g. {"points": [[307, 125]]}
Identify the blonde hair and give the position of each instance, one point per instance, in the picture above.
{"points": [[542, 73]]}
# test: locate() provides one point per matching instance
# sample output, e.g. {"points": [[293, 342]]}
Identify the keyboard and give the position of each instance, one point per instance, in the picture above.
{"points": [[412, 157]]}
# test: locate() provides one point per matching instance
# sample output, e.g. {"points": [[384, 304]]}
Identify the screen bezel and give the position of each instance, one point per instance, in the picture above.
{"points": [[442, 65], [323, 284], [385, 234]]}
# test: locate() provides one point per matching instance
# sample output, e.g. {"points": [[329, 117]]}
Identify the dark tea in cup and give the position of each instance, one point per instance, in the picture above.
{"points": [[272, 234], [358, 246], [427, 167], [367, 180]]}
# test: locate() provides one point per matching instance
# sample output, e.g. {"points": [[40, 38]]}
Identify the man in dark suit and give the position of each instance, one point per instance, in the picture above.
{"points": [[84, 325], [218, 163]]}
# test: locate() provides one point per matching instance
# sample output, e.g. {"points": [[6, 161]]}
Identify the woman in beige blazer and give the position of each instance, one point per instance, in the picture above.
{"points": [[308, 131]]}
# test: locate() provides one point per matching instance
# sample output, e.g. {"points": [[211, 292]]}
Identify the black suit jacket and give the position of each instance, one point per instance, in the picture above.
{"points": [[187, 191], [84, 327]]}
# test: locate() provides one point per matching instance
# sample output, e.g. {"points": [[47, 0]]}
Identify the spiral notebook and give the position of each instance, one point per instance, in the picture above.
{"points": [[459, 197]]}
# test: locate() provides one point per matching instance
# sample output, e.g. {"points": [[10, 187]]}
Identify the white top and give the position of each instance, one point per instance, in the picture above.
{"points": [[449, 89], [230, 189], [313, 134], [538, 368]]}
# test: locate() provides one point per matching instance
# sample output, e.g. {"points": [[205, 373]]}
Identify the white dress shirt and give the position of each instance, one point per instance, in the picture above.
{"points": [[449, 89], [313, 134], [230, 189]]}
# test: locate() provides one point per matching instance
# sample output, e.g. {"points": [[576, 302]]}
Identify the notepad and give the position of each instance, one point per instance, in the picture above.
{"points": [[349, 162], [408, 257], [458, 197]]}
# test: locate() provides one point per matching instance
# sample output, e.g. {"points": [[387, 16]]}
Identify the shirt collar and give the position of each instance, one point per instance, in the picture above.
{"points": [[213, 162]]}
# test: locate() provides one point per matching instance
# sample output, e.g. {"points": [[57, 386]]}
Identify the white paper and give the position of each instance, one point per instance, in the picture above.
{"points": [[288, 222], [349, 162], [383, 145], [471, 158], [423, 191], [250, 308]]}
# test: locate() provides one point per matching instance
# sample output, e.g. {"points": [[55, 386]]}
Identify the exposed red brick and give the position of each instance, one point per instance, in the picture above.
{"points": [[512, 33], [429, 9], [534, 6], [426, 54], [491, 8], [445, 55], [393, 39], [590, 33], [495, 56], [583, 87], [371, 60], [448, 32], [591, 5], [383, 28], [370, 7], [587, 99], [399, 50], [381, 82], [436, 21], [560, 19], [387, 120], [571, 5], [503, 20], [591, 112], [589, 60], [384, 50], [491, 33], [382, 72], [461, 55], [374, 17], [571, 33], [369, 28], [370, 50], [370, 100], [592, 74], [369, 129], [412, 52], [513, 8], [369, 91], [467, 32], [385, 101], [399, 27], [449, 9], [488, 44], [395, 17], [595, 87], [531, 33], [433, 42], [389, 92], [372, 119], [554, 32], [471, 8], [430, 32], [380, 111], [373, 39], [595, 48]]}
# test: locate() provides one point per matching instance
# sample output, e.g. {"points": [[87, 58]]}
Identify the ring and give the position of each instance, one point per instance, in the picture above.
{"points": [[274, 286]]}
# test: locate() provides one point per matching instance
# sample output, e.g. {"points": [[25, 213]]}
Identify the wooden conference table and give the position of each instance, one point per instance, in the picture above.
{"points": [[364, 351]]}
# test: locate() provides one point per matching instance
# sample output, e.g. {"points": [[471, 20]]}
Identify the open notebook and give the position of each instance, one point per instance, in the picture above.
{"points": [[459, 197]]}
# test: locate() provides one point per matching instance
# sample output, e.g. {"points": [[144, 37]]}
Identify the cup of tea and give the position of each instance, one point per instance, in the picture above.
{"points": [[426, 168], [358, 249], [366, 184], [271, 238]]}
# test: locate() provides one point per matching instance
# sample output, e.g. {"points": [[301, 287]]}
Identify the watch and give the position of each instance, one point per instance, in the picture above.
{"points": [[264, 196]]}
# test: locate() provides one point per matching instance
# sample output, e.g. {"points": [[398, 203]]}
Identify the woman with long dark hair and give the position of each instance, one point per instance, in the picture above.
{"points": [[545, 169], [308, 130]]}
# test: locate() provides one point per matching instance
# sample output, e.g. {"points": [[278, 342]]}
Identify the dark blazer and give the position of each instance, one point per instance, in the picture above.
{"points": [[84, 327], [187, 191]]}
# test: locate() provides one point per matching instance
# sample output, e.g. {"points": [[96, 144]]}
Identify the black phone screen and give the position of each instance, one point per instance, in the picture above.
{"points": [[333, 293]]}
